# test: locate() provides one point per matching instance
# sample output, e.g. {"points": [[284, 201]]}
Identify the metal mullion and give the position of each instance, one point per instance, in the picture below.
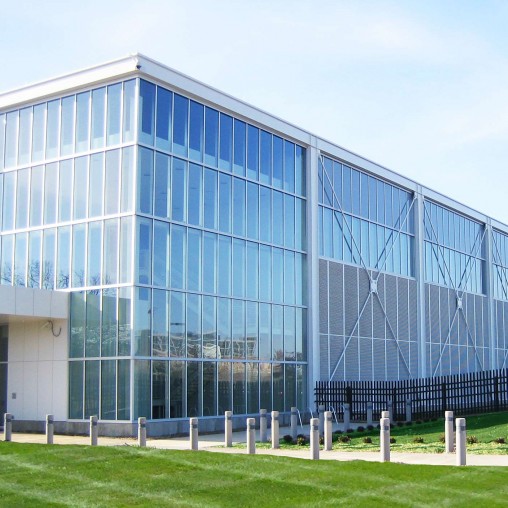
{"points": [[470, 257], [446, 341], [471, 339]]}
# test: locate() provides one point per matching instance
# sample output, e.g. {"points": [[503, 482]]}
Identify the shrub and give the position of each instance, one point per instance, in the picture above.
{"points": [[400, 424], [409, 424], [301, 440], [337, 432], [418, 422], [360, 429], [287, 439], [370, 427], [378, 426], [344, 439], [442, 438], [500, 440], [301, 435], [393, 440], [472, 440], [367, 440], [321, 440], [418, 439], [349, 431], [335, 437]]}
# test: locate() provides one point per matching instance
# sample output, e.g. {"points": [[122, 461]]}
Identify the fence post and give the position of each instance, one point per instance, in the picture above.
{"points": [[142, 431], [321, 409], [314, 439], [50, 425], [369, 413], [449, 432], [275, 429], [228, 429], [409, 415], [460, 444], [443, 397], [347, 417], [251, 436], [496, 393], [328, 430], [193, 434], [384, 439], [94, 431], [8, 426]]}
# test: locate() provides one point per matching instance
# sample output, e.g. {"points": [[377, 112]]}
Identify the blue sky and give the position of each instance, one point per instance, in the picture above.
{"points": [[420, 87]]}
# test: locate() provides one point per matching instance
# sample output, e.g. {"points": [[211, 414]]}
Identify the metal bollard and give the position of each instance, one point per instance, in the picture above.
{"points": [[314, 439], [94, 431], [369, 413], [251, 436], [275, 429], [347, 417], [50, 426], [449, 438], [321, 419], [328, 430], [193, 433], [384, 439], [8, 426], [228, 429], [294, 423], [263, 436], [385, 414], [409, 410], [460, 441], [142, 431]]}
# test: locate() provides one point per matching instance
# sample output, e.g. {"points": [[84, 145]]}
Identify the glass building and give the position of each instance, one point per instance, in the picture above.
{"points": [[200, 255]]}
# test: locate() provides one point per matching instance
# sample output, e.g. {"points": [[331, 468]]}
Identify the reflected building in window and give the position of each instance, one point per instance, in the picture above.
{"points": [[217, 258]]}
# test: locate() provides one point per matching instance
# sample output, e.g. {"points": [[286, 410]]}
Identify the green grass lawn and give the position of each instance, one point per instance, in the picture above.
{"points": [[486, 428], [41, 475]]}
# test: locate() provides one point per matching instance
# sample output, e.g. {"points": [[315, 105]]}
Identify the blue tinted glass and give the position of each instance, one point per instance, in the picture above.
{"points": [[209, 262], [50, 193], [114, 113], [196, 131], [300, 185], [238, 268], [238, 207], [265, 167], [20, 258], [240, 148], [224, 203], [289, 221], [110, 258], [63, 272], [48, 259], [277, 162], [146, 112], [145, 180], [161, 254], [224, 274], [346, 189], [195, 194], [380, 202], [25, 129], [80, 188], [265, 262], [252, 268], [94, 253], [300, 224], [7, 260], [67, 127], [162, 188], [289, 166], [178, 190], [38, 131], [265, 214], [289, 277], [95, 203], [9, 193], [210, 199], [144, 253], [252, 152], [164, 115], [78, 255], [356, 191], [53, 125], [180, 124], [194, 260], [278, 218], [177, 257], [211, 136], [22, 198], [252, 210], [226, 142], [129, 108], [64, 192], [265, 332]]}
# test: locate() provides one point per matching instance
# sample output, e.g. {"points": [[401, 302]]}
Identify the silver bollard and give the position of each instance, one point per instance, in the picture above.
{"points": [[294, 423], [449, 437], [142, 431], [314, 439], [384, 439], [251, 436], [94, 431], [193, 433], [460, 441], [8, 426], [50, 426], [347, 417], [321, 409], [385, 414], [228, 429], [328, 430], [409, 410], [275, 429], [369, 413], [263, 435]]}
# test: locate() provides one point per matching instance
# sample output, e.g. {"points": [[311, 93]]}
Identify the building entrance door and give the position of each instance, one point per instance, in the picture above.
{"points": [[4, 341]]}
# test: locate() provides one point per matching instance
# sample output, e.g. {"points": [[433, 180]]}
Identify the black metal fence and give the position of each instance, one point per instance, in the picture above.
{"points": [[465, 394]]}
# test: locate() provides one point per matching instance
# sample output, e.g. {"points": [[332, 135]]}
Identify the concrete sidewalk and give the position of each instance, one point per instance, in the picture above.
{"points": [[214, 443]]}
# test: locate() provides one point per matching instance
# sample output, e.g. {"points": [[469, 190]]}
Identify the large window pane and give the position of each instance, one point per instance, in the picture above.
{"points": [[252, 210], [129, 107], [210, 199], [238, 268], [193, 326], [164, 116], [195, 194], [25, 131], [93, 322], [34, 259], [114, 114], [252, 152], [178, 236], [98, 117], [112, 178], [161, 254], [111, 255], [142, 322], [265, 214], [48, 259], [278, 218], [224, 203], [238, 207], [76, 390], [160, 324], [209, 328], [109, 325], [20, 259], [277, 275], [145, 180], [289, 166], [160, 390], [9, 201], [7, 266], [96, 198], [80, 188], [22, 198], [300, 176], [209, 262], [265, 261], [265, 166], [146, 112], [127, 188], [194, 260], [67, 134], [64, 190], [240, 152], [180, 124], [277, 162], [142, 399], [52, 130], [161, 188], [178, 190], [124, 321], [50, 193], [224, 275], [63, 270], [176, 388], [144, 251], [252, 269], [82, 121], [38, 131], [126, 246], [209, 389], [196, 131], [225, 385], [226, 142], [177, 326], [211, 136], [108, 390], [78, 255]]}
